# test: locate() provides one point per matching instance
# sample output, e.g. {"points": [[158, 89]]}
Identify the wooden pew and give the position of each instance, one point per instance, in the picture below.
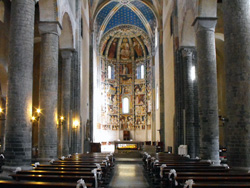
{"points": [[215, 180], [67, 170], [221, 185], [52, 178], [48, 172], [68, 166], [1, 161], [32, 184], [63, 169]]}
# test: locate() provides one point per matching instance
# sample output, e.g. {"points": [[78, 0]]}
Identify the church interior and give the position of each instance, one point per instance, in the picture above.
{"points": [[124, 93]]}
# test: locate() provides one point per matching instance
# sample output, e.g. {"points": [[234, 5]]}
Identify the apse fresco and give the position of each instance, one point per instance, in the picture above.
{"points": [[112, 49], [126, 73], [137, 48], [125, 50]]}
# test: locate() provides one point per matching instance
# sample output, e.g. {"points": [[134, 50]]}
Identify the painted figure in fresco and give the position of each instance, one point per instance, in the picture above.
{"points": [[112, 49], [125, 69], [126, 80], [125, 51], [104, 45], [137, 48], [146, 42], [139, 99]]}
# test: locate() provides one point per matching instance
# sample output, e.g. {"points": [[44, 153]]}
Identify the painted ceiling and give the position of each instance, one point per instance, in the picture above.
{"points": [[126, 12]]}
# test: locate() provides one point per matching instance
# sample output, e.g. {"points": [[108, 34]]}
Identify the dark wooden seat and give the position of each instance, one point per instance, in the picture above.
{"points": [[69, 166], [69, 171], [221, 184], [214, 178], [46, 172], [63, 169], [52, 178], [30, 184], [1, 162], [228, 174]]}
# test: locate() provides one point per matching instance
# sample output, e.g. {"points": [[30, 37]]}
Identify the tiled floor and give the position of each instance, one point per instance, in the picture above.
{"points": [[128, 176]]}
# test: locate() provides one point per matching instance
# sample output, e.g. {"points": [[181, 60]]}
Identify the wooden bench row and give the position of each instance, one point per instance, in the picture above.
{"points": [[64, 173], [180, 171]]}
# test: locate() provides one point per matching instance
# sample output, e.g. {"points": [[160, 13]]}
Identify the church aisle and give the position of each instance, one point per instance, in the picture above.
{"points": [[128, 176]]}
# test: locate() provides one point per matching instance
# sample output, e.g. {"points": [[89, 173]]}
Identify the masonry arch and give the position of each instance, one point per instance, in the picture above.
{"points": [[66, 40], [188, 33]]}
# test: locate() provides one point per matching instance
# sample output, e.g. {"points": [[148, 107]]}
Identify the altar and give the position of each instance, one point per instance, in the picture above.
{"points": [[127, 148]]}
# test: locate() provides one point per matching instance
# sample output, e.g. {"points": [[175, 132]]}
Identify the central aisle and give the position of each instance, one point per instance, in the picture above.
{"points": [[128, 175]]}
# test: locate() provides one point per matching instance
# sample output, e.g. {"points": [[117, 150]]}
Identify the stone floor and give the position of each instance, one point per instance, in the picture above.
{"points": [[128, 174]]}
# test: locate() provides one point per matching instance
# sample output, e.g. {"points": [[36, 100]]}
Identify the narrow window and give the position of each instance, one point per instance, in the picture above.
{"points": [[193, 73], [112, 72], [125, 105], [138, 72], [109, 72], [142, 71], [157, 97]]}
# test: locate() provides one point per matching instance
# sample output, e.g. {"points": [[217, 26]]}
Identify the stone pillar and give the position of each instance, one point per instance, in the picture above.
{"points": [[47, 136], [91, 82], [189, 99], [161, 92], [237, 60], [2, 121], [207, 87], [20, 81], [65, 103], [77, 99]]}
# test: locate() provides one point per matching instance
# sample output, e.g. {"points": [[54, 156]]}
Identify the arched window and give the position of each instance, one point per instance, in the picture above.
{"points": [[125, 105], [140, 72], [111, 72]]}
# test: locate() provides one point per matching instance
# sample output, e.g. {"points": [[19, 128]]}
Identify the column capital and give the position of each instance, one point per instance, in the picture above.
{"points": [[50, 28], [67, 53], [187, 50], [205, 23]]}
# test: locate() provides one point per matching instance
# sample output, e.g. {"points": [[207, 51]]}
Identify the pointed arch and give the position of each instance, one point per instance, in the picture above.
{"points": [[188, 32], [66, 39]]}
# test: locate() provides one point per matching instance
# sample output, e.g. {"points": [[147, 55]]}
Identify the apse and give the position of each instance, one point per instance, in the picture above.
{"points": [[123, 79]]}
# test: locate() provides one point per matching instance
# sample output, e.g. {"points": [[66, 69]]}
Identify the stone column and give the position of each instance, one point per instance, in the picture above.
{"points": [[161, 92], [237, 60], [76, 101], [47, 136], [207, 87], [189, 99], [2, 121], [65, 103], [20, 81]]}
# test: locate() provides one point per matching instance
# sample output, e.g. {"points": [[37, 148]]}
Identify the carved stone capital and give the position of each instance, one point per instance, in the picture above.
{"points": [[50, 28], [66, 53], [205, 23], [187, 52]]}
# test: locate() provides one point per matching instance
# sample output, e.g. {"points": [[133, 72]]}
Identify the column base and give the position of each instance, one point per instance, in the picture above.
{"points": [[45, 160], [241, 169], [7, 170], [213, 162]]}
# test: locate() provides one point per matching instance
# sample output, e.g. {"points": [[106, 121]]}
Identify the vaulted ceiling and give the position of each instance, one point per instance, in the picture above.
{"points": [[126, 12]]}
